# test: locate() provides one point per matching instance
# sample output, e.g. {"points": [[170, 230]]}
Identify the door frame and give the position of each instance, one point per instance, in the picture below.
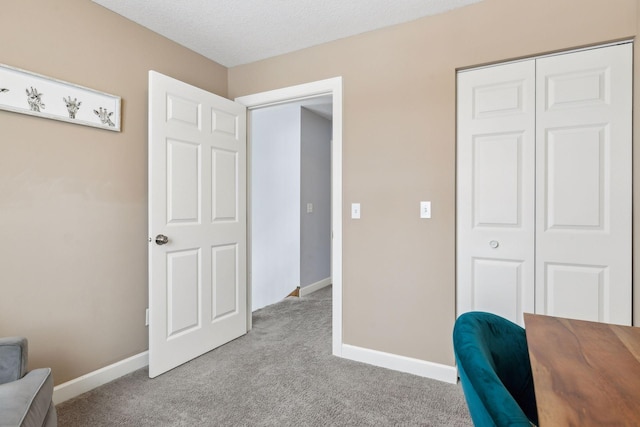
{"points": [[333, 87]]}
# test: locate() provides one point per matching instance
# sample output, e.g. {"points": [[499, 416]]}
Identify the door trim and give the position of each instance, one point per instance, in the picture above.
{"points": [[527, 58], [332, 86]]}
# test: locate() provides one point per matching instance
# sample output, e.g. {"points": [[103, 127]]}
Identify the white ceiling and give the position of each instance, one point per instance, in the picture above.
{"points": [[235, 32]]}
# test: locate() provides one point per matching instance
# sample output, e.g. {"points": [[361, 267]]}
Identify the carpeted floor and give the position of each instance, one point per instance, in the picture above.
{"points": [[281, 373]]}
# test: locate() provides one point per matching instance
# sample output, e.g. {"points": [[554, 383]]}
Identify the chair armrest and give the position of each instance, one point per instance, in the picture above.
{"points": [[27, 401], [13, 358]]}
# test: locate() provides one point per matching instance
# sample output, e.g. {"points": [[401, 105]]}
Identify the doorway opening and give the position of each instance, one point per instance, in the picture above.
{"points": [[290, 209], [313, 98]]}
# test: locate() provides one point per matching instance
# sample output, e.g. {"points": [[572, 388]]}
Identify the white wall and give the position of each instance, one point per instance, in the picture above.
{"points": [[315, 188], [275, 210]]}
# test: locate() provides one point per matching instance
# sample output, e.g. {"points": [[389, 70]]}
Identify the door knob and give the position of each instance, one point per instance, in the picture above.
{"points": [[161, 239]]}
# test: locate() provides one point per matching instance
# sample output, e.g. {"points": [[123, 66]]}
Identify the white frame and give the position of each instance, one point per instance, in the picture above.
{"points": [[332, 87], [93, 108]]}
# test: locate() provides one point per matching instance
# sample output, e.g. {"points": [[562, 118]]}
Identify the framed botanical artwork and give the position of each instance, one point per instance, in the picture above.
{"points": [[37, 95]]}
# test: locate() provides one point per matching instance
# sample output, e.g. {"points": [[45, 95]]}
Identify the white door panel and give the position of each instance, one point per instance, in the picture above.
{"points": [[497, 287], [495, 190], [197, 198], [575, 291], [583, 230]]}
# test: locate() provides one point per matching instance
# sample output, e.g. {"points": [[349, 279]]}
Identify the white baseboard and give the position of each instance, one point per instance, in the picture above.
{"points": [[306, 290], [88, 382], [85, 383], [436, 371]]}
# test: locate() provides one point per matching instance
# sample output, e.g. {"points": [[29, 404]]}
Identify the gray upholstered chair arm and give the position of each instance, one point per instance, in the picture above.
{"points": [[13, 359], [27, 401]]}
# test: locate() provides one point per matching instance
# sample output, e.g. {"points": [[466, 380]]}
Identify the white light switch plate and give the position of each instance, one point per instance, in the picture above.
{"points": [[355, 210], [425, 209]]}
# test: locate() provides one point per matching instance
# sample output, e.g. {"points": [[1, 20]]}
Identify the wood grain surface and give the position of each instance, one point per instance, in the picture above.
{"points": [[584, 373]]}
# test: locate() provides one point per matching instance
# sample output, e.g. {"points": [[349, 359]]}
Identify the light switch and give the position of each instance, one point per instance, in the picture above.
{"points": [[425, 209], [309, 207], [355, 210]]}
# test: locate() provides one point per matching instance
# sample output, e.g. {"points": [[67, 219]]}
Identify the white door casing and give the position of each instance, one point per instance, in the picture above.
{"points": [[197, 198], [333, 87], [495, 182], [573, 186], [583, 218]]}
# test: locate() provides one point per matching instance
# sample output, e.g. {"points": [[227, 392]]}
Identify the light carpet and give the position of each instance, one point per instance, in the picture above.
{"points": [[281, 373]]}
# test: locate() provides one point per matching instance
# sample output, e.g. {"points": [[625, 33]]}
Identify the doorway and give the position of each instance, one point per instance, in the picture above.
{"points": [[333, 88], [290, 209]]}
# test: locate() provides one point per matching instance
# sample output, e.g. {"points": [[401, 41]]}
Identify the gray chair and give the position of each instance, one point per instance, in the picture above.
{"points": [[25, 397]]}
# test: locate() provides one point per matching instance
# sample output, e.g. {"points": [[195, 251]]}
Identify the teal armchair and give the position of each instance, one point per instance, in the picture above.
{"points": [[495, 370]]}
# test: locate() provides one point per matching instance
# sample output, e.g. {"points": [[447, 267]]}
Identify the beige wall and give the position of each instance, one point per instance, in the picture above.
{"points": [[399, 148], [73, 199]]}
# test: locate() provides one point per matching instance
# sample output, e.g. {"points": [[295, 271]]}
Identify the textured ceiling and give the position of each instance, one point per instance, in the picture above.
{"points": [[235, 32]]}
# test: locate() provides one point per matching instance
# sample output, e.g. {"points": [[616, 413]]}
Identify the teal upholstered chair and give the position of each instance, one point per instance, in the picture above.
{"points": [[495, 370]]}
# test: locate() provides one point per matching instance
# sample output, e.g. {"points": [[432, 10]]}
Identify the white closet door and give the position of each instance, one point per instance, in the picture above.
{"points": [[495, 190], [583, 185]]}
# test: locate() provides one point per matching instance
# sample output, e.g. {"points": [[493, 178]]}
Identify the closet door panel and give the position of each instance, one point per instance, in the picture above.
{"points": [[583, 185], [495, 190], [566, 283], [575, 163]]}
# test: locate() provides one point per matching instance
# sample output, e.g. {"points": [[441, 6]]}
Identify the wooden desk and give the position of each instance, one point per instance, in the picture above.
{"points": [[584, 373]]}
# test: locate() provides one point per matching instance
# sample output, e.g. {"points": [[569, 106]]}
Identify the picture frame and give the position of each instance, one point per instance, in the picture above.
{"points": [[30, 93]]}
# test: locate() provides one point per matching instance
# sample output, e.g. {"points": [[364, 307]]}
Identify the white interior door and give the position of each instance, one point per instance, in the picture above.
{"points": [[197, 199], [583, 230], [495, 190]]}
